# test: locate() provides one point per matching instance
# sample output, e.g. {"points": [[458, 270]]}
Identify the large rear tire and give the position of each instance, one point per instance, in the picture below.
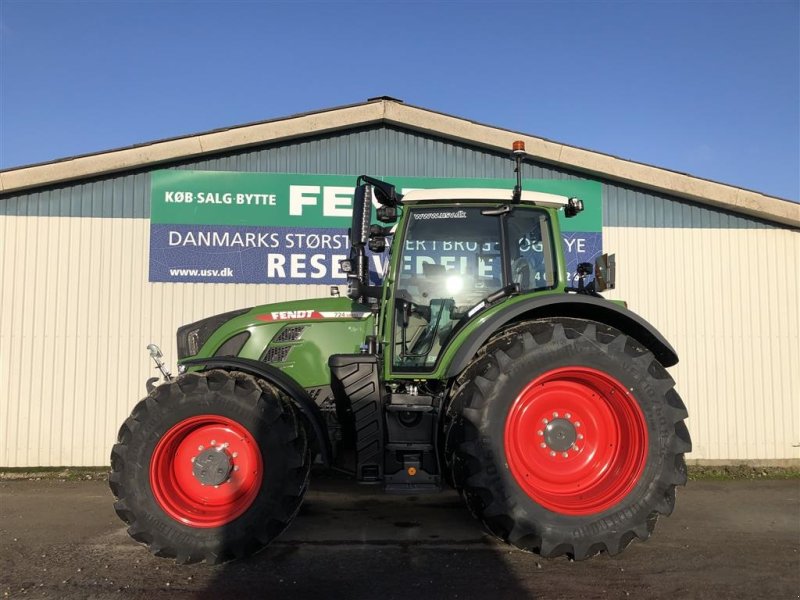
{"points": [[567, 437], [211, 466]]}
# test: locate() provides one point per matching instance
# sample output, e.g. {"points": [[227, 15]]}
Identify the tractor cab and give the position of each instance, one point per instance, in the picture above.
{"points": [[454, 260], [454, 254]]}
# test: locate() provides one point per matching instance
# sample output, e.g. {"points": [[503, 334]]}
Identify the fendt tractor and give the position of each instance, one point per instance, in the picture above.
{"points": [[548, 407]]}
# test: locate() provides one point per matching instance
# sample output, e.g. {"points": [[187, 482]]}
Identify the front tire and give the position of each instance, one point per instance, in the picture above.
{"points": [[211, 466], [567, 437]]}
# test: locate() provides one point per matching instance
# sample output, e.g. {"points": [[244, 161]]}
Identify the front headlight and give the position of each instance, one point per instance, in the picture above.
{"points": [[193, 341]]}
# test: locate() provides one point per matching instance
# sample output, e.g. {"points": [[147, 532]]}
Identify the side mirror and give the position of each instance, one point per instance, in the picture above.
{"points": [[573, 207], [605, 268], [385, 193]]}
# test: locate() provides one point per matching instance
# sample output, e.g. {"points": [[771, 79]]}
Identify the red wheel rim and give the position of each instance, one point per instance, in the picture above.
{"points": [[177, 488], [576, 440]]}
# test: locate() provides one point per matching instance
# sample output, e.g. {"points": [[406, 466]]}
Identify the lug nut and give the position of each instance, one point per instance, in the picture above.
{"points": [[568, 415], [213, 442], [565, 454], [552, 453], [543, 445], [540, 432], [580, 436], [200, 448]]}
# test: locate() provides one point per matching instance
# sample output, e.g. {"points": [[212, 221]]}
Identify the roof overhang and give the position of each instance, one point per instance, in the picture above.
{"points": [[390, 111]]}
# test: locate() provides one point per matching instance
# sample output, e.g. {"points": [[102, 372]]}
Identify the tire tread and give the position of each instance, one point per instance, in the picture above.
{"points": [[468, 410], [273, 409]]}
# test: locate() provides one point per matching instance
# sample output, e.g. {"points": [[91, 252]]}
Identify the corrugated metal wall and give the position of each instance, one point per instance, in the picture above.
{"points": [[726, 301], [76, 309], [723, 290], [75, 321]]}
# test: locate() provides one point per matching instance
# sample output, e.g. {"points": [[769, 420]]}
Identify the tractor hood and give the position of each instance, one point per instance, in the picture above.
{"points": [[296, 336]]}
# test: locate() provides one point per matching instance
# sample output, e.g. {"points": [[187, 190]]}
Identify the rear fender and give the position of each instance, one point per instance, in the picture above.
{"points": [[298, 396], [568, 305]]}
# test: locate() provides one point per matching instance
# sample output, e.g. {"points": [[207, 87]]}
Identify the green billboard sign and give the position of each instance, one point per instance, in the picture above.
{"points": [[226, 227]]}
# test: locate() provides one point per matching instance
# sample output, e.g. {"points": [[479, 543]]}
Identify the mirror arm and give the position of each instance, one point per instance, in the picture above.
{"points": [[385, 193]]}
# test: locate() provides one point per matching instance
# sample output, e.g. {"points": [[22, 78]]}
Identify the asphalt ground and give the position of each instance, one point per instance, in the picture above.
{"points": [[726, 539]]}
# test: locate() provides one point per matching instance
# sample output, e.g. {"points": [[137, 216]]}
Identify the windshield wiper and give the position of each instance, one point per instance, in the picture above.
{"points": [[493, 298], [503, 209]]}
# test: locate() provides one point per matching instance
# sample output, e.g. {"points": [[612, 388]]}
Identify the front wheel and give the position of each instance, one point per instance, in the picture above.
{"points": [[567, 437], [211, 466]]}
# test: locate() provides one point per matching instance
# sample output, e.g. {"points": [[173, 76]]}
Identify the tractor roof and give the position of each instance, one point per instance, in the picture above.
{"points": [[478, 194]]}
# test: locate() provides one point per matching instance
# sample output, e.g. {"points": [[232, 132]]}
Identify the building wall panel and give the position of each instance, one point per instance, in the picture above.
{"points": [[77, 313], [725, 300]]}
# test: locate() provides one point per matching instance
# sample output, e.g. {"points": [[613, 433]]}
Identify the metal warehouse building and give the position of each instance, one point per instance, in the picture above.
{"points": [[712, 266]]}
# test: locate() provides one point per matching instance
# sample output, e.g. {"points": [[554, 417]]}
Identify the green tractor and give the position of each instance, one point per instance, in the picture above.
{"points": [[474, 364]]}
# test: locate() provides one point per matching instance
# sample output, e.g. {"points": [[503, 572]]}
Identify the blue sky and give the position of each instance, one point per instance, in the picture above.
{"points": [[707, 88]]}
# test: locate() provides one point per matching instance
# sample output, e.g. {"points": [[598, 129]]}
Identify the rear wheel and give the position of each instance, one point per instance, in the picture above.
{"points": [[211, 466], [567, 437]]}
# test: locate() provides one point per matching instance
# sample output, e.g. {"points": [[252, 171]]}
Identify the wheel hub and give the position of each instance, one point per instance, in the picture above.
{"points": [[560, 435], [206, 471], [212, 466], [590, 443]]}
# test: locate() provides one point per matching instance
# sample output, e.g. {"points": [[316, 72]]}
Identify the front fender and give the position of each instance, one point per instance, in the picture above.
{"points": [[567, 305], [282, 381]]}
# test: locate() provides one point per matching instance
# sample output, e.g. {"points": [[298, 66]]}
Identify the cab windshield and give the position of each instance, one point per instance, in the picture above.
{"points": [[452, 259]]}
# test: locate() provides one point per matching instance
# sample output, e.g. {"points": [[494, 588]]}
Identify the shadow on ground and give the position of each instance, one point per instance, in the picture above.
{"points": [[350, 541], [727, 539]]}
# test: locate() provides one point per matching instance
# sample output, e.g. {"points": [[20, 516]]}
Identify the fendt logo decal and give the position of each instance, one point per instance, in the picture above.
{"points": [[310, 315]]}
